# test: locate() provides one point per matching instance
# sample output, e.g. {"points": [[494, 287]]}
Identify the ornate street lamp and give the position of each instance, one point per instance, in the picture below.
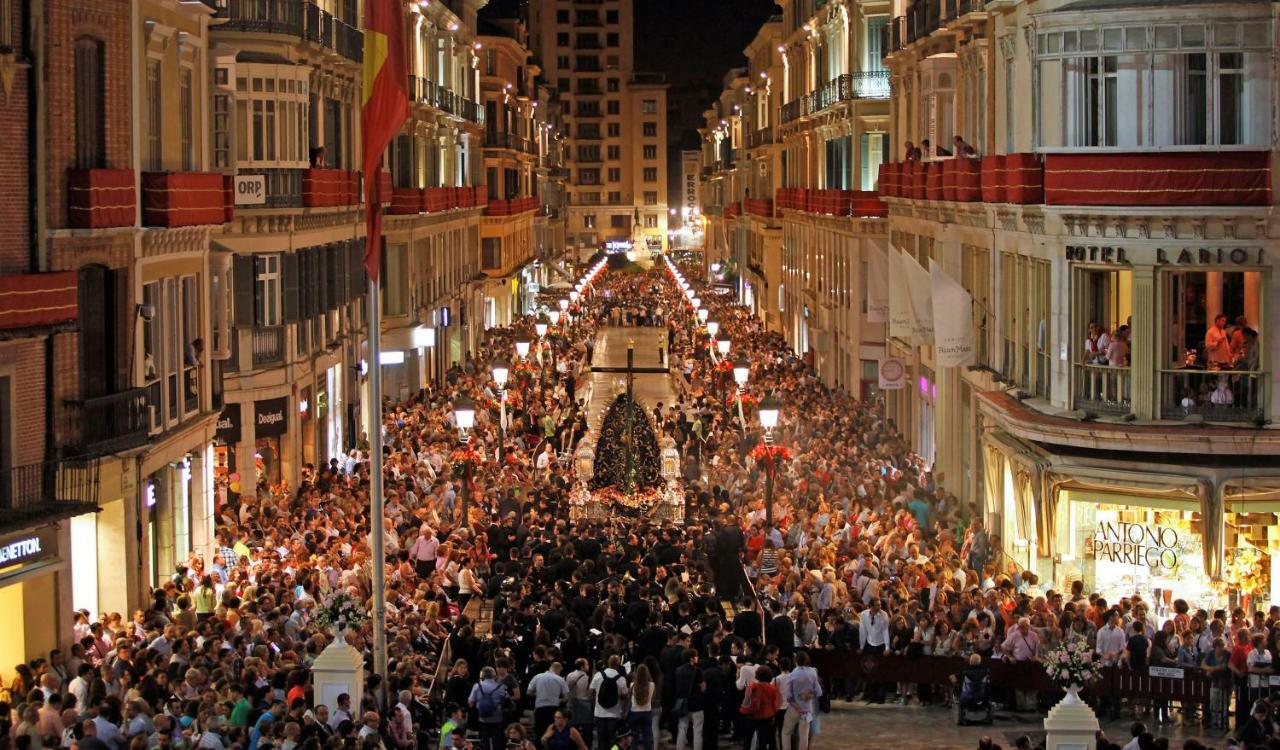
{"points": [[464, 416]]}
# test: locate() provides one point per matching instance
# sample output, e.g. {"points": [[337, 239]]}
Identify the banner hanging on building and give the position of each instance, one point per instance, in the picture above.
{"points": [[689, 165], [877, 284], [901, 322], [953, 330], [893, 374], [920, 292]]}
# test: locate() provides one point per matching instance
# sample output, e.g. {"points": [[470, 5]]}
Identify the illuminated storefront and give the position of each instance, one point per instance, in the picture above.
{"points": [[34, 592]]}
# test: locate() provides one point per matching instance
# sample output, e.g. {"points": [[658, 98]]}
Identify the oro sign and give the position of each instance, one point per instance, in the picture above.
{"points": [[251, 189]]}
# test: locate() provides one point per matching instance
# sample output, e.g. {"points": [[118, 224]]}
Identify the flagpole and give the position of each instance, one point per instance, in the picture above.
{"points": [[376, 532]]}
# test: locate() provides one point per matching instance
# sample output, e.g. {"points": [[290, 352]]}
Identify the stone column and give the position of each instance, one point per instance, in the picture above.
{"points": [[339, 669], [1070, 725], [1143, 355]]}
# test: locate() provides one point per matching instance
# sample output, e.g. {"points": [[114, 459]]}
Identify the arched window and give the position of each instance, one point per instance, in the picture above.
{"points": [[90, 120]]}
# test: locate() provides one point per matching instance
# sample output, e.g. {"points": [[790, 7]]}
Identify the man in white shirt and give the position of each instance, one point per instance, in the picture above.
{"points": [[608, 717], [873, 638]]}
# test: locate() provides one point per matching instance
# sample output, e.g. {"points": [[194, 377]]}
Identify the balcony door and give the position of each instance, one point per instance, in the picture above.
{"points": [[101, 291]]}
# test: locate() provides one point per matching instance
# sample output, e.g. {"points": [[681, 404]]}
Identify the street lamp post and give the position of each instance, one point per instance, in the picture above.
{"points": [[741, 372], [522, 347], [768, 411], [464, 416], [723, 342], [500, 372]]}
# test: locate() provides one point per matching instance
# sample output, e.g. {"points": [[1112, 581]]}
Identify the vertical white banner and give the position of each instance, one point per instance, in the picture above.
{"points": [[953, 331], [920, 293], [902, 323], [877, 284]]}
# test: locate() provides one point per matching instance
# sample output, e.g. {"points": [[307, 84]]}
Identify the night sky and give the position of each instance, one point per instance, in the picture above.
{"points": [[696, 36], [684, 36]]}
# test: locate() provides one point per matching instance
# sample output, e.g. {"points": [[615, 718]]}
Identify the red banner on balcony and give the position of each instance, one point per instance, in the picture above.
{"points": [[405, 200], [933, 186], [182, 199], [37, 299], [99, 198], [991, 179], [867, 204], [326, 188], [967, 177], [888, 179], [1223, 178], [1023, 178]]}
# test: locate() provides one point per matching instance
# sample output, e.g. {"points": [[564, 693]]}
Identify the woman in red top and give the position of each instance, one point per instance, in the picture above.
{"points": [[759, 705], [755, 543]]}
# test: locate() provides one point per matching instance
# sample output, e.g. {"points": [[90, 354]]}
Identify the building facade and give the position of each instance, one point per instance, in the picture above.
{"points": [[1100, 176], [616, 123], [791, 152]]}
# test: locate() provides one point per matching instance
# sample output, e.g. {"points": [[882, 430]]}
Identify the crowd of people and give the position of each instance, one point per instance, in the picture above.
{"points": [[595, 633]]}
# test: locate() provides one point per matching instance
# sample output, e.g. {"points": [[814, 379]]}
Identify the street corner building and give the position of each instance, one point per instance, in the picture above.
{"points": [[1045, 234], [182, 292]]}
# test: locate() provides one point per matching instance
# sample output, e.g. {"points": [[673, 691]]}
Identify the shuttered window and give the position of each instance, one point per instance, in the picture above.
{"points": [[89, 84]]}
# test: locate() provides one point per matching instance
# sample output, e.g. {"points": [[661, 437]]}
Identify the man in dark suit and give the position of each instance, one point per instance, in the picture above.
{"points": [[746, 624], [781, 631], [729, 545]]}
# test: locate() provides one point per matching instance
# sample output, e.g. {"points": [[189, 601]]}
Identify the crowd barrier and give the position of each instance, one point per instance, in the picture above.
{"points": [[1178, 685]]}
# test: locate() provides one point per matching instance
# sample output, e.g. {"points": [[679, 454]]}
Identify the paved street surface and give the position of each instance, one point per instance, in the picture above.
{"points": [[890, 727], [611, 351]]}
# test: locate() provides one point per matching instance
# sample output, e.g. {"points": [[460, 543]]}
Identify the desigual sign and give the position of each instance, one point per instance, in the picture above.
{"points": [[1135, 544], [270, 418]]}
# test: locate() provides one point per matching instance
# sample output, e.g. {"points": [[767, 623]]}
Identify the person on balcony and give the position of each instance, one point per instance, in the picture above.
{"points": [[1118, 349], [912, 153], [1095, 344], [962, 148], [1217, 344]]}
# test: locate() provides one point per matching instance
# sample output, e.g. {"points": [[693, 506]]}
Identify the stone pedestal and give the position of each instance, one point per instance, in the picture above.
{"points": [[339, 669], [1071, 725]]}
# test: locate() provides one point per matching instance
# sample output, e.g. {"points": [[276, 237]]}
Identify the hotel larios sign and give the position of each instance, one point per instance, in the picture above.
{"points": [[1185, 256], [1135, 544]]}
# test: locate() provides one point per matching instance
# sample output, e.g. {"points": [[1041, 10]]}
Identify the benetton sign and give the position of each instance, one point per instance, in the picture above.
{"points": [[28, 547]]}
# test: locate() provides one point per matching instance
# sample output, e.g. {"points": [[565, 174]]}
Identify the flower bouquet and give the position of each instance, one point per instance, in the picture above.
{"points": [[339, 612], [770, 454], [460, 459], [523, 374], [1072, 666], [748, 400]]}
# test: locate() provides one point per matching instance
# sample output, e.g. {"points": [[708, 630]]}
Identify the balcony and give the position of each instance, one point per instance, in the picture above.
{"points": [[1102, 388], [762, 207], [1196, 178], [296, 18], [513, 206], [511, 141], [760, 137], [110, 424], [184, 199], [1214, 395], [327, 188], [584, 112], [926, 17], [856, 203], [284, 186], [101, 198], [848, 87], [35, 493], [268, 344]]}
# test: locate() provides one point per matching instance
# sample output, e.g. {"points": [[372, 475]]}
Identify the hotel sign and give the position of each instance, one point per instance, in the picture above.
{"points": [[1135, 544], [28, 547], [1169, 256]]}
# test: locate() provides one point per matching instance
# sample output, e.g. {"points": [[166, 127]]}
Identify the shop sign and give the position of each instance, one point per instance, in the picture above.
{"points": [[893, 374], [28, 547], [270, 417], [228, 425], [1172, 673], [1135, 544], [1186, 256]]}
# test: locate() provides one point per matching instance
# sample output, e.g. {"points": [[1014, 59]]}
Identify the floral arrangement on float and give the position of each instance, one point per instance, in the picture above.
{"points": [[748, 400], [461, 459], [339, 612], [1071, 666], [724, 365], [523, 374]]}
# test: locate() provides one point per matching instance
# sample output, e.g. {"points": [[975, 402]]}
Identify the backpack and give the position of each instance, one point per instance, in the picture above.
{"points": [[607, 696], [486, 706]]}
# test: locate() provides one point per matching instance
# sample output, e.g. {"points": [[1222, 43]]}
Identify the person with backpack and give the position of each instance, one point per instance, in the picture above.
{"points": [[608, 689], [486, 698]]}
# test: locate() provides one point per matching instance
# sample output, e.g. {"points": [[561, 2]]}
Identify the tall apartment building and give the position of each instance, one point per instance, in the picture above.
{"points": [[616, 119], [1122, 176], [791, 155]]}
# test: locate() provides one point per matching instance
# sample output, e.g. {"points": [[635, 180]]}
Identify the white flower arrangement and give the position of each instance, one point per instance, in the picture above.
{"points": [[1072, 664], [340, 611]]}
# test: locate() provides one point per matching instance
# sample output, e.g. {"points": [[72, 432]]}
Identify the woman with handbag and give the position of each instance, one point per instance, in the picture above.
{"points": [[759, 706]]}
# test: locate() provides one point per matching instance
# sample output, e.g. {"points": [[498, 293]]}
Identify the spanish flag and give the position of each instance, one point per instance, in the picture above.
{"points": [[385, 108]]}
